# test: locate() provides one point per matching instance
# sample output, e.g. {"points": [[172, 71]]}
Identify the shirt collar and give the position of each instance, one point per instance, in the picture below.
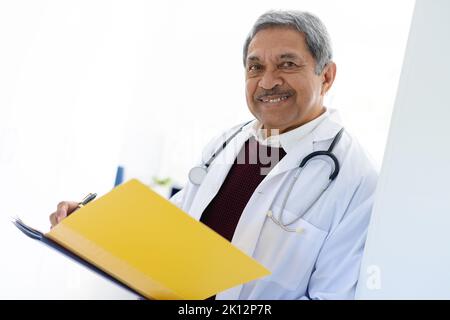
{"points": [[289, 139]]}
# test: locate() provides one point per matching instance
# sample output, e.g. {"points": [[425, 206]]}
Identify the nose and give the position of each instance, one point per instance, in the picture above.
{"points": [[270, 79]]}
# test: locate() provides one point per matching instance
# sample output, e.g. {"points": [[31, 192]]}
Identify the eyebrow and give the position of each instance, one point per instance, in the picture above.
{"points": [[253, 58], [287, 55]]}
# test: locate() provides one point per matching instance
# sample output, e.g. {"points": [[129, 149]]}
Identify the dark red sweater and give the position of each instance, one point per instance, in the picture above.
{"points": [[224, 211]]}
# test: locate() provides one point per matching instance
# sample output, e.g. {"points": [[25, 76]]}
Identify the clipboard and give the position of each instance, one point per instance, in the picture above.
{"points": [[145, 244], [39, 236]]}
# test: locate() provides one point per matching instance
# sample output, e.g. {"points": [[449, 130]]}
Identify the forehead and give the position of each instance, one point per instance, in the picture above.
{"points": [[274, 42]]}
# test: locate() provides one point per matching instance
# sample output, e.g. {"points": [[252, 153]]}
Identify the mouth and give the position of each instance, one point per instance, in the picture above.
{"points": [[274, 100]]}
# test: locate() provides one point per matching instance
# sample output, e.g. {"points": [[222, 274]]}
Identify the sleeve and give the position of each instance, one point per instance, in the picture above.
{"points": [[338, 265], [177, 198]]}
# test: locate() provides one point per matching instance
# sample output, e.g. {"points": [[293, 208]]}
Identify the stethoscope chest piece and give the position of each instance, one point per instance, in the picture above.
{"points": [[197, 175]]}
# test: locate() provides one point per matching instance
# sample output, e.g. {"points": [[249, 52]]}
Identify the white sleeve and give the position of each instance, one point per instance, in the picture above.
{"points": [[337, 267], [177, 198]]}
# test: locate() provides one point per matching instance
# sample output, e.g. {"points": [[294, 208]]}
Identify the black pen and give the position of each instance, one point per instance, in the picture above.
{"points": [[87, 199]]}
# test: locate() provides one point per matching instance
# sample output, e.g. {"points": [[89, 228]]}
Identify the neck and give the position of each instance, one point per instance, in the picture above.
{"points": [[273, 131]]}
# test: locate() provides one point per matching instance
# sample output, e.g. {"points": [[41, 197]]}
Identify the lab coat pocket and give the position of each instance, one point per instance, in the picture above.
{"points": [[290, 255]]}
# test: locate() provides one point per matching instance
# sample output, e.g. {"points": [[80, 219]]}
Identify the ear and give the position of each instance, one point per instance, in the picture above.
{"points": [[328, 75]]}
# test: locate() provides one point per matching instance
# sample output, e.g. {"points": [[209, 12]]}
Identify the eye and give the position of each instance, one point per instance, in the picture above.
{"points": [[254, 67], [288, 64]]}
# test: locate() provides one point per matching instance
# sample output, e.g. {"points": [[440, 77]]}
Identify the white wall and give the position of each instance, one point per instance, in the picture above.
{"points": [[193, 85], [407, 254], [88, 85]]}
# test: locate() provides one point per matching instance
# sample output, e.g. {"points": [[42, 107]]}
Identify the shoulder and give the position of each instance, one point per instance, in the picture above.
{"points": [[356, 162], [357, 179], [356, 182]]}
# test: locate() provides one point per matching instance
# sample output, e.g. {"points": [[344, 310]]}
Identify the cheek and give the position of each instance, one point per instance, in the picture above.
{"points": [[307, 92], [250, 87]]}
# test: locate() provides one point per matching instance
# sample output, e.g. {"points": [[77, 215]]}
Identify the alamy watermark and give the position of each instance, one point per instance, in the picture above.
{"points": [[373, 281], [265, 154]]}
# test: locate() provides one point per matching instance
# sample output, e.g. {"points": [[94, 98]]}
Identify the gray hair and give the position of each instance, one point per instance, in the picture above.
{"points": [[317, 37]]}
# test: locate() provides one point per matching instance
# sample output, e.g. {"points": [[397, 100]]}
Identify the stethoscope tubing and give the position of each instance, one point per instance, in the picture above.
{"points": [[197, 174]]}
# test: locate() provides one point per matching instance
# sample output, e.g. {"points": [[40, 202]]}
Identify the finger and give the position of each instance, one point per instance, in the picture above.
{"points": [[61, 211], [64, 209], [72, 206], [53, 219]]}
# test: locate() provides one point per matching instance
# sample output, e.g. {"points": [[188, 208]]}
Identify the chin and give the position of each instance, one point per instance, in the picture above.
{"points": [[275, 125]]}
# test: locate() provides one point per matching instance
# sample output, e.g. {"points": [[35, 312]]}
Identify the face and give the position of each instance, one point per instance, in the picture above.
{"points": [[282, 90]]}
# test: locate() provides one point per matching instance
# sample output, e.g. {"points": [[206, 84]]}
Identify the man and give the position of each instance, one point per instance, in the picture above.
{"points": [[304, 218]]}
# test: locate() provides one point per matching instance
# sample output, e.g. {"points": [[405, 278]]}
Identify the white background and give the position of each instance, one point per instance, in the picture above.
{"points": [[88, 85], [407, 252]]}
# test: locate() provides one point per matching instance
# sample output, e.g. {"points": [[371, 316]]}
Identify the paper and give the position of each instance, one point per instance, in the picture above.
{"points": [[154, 247]]}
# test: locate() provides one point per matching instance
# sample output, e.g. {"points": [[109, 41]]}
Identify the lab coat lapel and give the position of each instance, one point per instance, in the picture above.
{"points": [[293, 158], [218, 170], [217, 173], [252, 220], [255, 213]]}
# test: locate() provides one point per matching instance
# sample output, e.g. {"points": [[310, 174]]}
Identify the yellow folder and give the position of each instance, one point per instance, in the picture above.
{"points": [[153, 247]]}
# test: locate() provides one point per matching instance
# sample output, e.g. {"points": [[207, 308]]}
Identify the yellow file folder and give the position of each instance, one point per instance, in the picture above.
{"points": [[153, 247]]}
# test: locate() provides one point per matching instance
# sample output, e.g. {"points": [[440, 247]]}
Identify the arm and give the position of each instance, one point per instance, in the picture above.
{"points": [[337, 268]]}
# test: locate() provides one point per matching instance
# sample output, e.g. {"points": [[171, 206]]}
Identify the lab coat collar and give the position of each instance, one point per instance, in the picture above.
{"points": [[328, 129], [287, 140], [325, 130], [220, 167]]}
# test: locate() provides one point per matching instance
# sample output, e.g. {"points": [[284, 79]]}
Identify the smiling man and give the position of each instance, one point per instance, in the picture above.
{"points": [[291, 188], [304, 216], [285, 85]]}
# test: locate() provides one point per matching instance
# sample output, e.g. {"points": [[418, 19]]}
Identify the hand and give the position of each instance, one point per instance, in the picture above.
{"points": [[63, 209]]}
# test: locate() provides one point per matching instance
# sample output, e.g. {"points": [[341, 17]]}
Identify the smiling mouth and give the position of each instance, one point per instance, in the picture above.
{"points": [[273, 99]]}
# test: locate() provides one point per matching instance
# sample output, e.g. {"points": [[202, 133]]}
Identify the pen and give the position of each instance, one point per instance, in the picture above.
{"points": [[87, 199]]}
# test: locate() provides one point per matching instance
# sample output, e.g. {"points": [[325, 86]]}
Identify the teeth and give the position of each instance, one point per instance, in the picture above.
{"points": [[274, 100]]}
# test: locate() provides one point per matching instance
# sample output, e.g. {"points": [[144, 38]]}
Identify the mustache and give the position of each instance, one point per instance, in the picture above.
{"points": [[274, 92]]}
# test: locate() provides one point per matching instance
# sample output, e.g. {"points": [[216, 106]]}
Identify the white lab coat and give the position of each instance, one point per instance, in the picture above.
{"points": [[323, 261]]}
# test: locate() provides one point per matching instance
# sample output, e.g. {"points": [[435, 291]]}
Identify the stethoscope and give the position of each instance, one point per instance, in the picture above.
{"points": [[198, 174]]}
